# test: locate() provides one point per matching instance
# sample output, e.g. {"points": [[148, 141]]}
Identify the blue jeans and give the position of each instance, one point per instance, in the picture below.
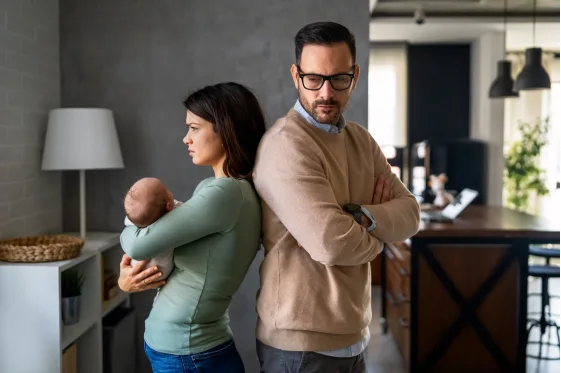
{"points": [[223, 358]]}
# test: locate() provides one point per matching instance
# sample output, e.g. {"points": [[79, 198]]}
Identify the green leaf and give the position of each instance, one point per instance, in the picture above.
{"points": [[522, 172], [71, 283]]}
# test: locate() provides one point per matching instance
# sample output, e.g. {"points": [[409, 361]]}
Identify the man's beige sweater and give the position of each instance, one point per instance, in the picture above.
{"points": [[317, 297]]}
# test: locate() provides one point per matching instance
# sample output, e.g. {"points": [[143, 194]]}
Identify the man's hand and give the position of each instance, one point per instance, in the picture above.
{"points": [[382, 191]]}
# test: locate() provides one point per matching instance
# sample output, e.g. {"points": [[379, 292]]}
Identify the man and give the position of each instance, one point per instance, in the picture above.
{"points": [[320, 178]]}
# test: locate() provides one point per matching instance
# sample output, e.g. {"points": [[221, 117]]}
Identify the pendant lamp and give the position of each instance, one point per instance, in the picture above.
{"points": [[503, 85], [533, 76]]}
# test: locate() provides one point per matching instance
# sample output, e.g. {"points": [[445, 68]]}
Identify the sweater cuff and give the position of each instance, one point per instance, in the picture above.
{"points": [[369, 215]]}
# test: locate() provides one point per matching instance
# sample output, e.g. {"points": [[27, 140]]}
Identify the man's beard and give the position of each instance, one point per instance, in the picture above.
{"points": [[332, 118]]}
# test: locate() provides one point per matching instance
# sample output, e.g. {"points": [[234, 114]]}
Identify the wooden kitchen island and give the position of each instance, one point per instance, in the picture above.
{"points": [[454, 297]]}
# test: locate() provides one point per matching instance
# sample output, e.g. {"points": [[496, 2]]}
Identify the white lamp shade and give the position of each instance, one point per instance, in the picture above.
{"points": [[81, 139]]}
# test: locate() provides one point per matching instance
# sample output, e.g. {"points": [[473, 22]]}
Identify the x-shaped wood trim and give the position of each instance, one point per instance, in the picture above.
{"points": [[468, 311]]}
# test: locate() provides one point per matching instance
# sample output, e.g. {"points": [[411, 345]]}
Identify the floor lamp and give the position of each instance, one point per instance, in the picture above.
{"points": [[81, 139]]}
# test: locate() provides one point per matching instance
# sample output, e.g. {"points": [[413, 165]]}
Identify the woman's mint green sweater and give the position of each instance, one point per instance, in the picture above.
{"points": [[216, 236]]}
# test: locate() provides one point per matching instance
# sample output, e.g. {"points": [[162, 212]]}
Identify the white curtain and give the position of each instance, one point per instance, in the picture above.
{"points": [[530, 106], [387, 94]]}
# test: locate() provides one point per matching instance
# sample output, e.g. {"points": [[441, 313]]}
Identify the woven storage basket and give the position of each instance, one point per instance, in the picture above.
{"points": [[36, 249]]}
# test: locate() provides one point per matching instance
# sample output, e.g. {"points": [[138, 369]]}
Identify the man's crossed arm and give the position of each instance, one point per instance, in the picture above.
{"points": [[298, 192], [394, 210]]}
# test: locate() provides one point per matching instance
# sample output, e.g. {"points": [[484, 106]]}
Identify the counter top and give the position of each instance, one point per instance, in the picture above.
{"points": [[491, 221]]}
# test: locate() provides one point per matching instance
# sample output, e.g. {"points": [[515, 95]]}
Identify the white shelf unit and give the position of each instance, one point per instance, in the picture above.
{"points": [[32, 335]]}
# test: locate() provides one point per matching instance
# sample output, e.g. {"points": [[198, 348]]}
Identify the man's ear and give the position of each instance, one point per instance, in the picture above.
{"points": [[169, 205], [357, 73], [294, 73]]}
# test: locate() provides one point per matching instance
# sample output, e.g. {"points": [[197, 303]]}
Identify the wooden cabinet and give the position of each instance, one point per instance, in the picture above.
{"points": [[425, 340], [454, 297], [398, 296]]}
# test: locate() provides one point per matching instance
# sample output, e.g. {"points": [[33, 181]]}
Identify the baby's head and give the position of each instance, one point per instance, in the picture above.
{"points": [[147, 201]]}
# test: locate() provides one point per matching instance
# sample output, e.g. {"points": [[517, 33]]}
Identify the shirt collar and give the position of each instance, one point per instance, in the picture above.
{"points": [[323, 126]]}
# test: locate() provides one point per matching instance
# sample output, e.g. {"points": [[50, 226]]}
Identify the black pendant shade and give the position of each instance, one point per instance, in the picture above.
{"points": [[533, 75], [503, 85]]}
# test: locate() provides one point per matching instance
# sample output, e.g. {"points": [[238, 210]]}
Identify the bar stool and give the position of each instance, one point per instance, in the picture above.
{"points": [[543, 252], [546, 319], [548, 254]]}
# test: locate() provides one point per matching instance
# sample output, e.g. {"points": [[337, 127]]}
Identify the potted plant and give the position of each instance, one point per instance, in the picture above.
{"points": [[522, 172], [71, 290]]}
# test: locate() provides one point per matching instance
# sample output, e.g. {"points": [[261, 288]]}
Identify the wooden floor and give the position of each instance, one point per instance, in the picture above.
{"points": [[383, 356]]}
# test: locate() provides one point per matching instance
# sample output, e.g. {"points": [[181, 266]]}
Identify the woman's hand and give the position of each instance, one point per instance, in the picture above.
{"points": [[135, 279]]}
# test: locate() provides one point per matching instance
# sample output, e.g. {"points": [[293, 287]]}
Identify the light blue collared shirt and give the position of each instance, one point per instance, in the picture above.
{"points": [[338, 128], [360, 346]]}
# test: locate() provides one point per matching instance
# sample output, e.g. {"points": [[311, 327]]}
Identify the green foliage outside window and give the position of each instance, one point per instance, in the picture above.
{"points": [[523, 175]]}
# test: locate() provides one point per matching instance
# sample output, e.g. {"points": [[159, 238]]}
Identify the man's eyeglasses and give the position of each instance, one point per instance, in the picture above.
{"points": [[314, 82]]}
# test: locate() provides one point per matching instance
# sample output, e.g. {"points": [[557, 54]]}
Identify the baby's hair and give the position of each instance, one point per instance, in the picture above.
{"points": [[143, 217]]}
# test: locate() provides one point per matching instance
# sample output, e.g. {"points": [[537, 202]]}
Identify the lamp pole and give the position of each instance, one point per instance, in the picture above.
{"points": [[83, 204]]}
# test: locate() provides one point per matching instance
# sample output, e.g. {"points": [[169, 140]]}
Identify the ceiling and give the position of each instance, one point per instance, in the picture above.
{"points": [[519, 35], [463, 8]]}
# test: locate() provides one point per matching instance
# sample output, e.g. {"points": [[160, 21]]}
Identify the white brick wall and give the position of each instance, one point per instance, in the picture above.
{"points": [[30, 199]]}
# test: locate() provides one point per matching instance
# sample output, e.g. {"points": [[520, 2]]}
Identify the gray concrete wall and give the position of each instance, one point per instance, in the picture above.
{"points": [[141, 58], [30, 199]]}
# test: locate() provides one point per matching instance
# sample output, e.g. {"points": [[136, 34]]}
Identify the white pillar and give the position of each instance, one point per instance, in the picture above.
{"points": [[487, 115]]}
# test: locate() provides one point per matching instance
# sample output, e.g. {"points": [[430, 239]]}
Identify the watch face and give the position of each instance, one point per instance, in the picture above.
{"points": [[352, 207]]}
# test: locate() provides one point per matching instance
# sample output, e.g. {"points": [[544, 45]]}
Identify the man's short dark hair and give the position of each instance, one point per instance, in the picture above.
{"points": [[323, 33]]}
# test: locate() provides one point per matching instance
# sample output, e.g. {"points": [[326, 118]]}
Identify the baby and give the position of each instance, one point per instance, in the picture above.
{"points": [[147, 201]]}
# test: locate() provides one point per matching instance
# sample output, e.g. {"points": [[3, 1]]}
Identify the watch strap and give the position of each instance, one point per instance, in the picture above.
{"points": [[357, 215], [369, 215]]}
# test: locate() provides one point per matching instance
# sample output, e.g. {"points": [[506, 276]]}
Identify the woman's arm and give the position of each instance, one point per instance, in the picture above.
{"points": [[213, 209]]}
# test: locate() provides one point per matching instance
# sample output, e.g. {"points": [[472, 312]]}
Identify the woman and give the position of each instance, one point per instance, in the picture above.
{"points": [[215, 235]]}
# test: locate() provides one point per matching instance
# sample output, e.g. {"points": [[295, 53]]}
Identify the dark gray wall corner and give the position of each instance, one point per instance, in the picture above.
{"points": [[141, 58]]}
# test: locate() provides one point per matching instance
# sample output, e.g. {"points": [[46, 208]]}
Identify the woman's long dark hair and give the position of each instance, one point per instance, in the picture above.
{"points": [[236, 116]]}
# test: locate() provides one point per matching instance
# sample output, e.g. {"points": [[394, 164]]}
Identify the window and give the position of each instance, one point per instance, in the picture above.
{"points": [[528, 107], [387, 94], [551, 159]]}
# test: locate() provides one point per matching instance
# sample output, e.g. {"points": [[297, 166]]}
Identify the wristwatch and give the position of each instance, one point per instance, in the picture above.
{"points": [[355, 210]]}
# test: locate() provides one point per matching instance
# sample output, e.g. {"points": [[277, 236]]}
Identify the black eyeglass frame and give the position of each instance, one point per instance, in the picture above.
{"points": [[326, 77]]}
